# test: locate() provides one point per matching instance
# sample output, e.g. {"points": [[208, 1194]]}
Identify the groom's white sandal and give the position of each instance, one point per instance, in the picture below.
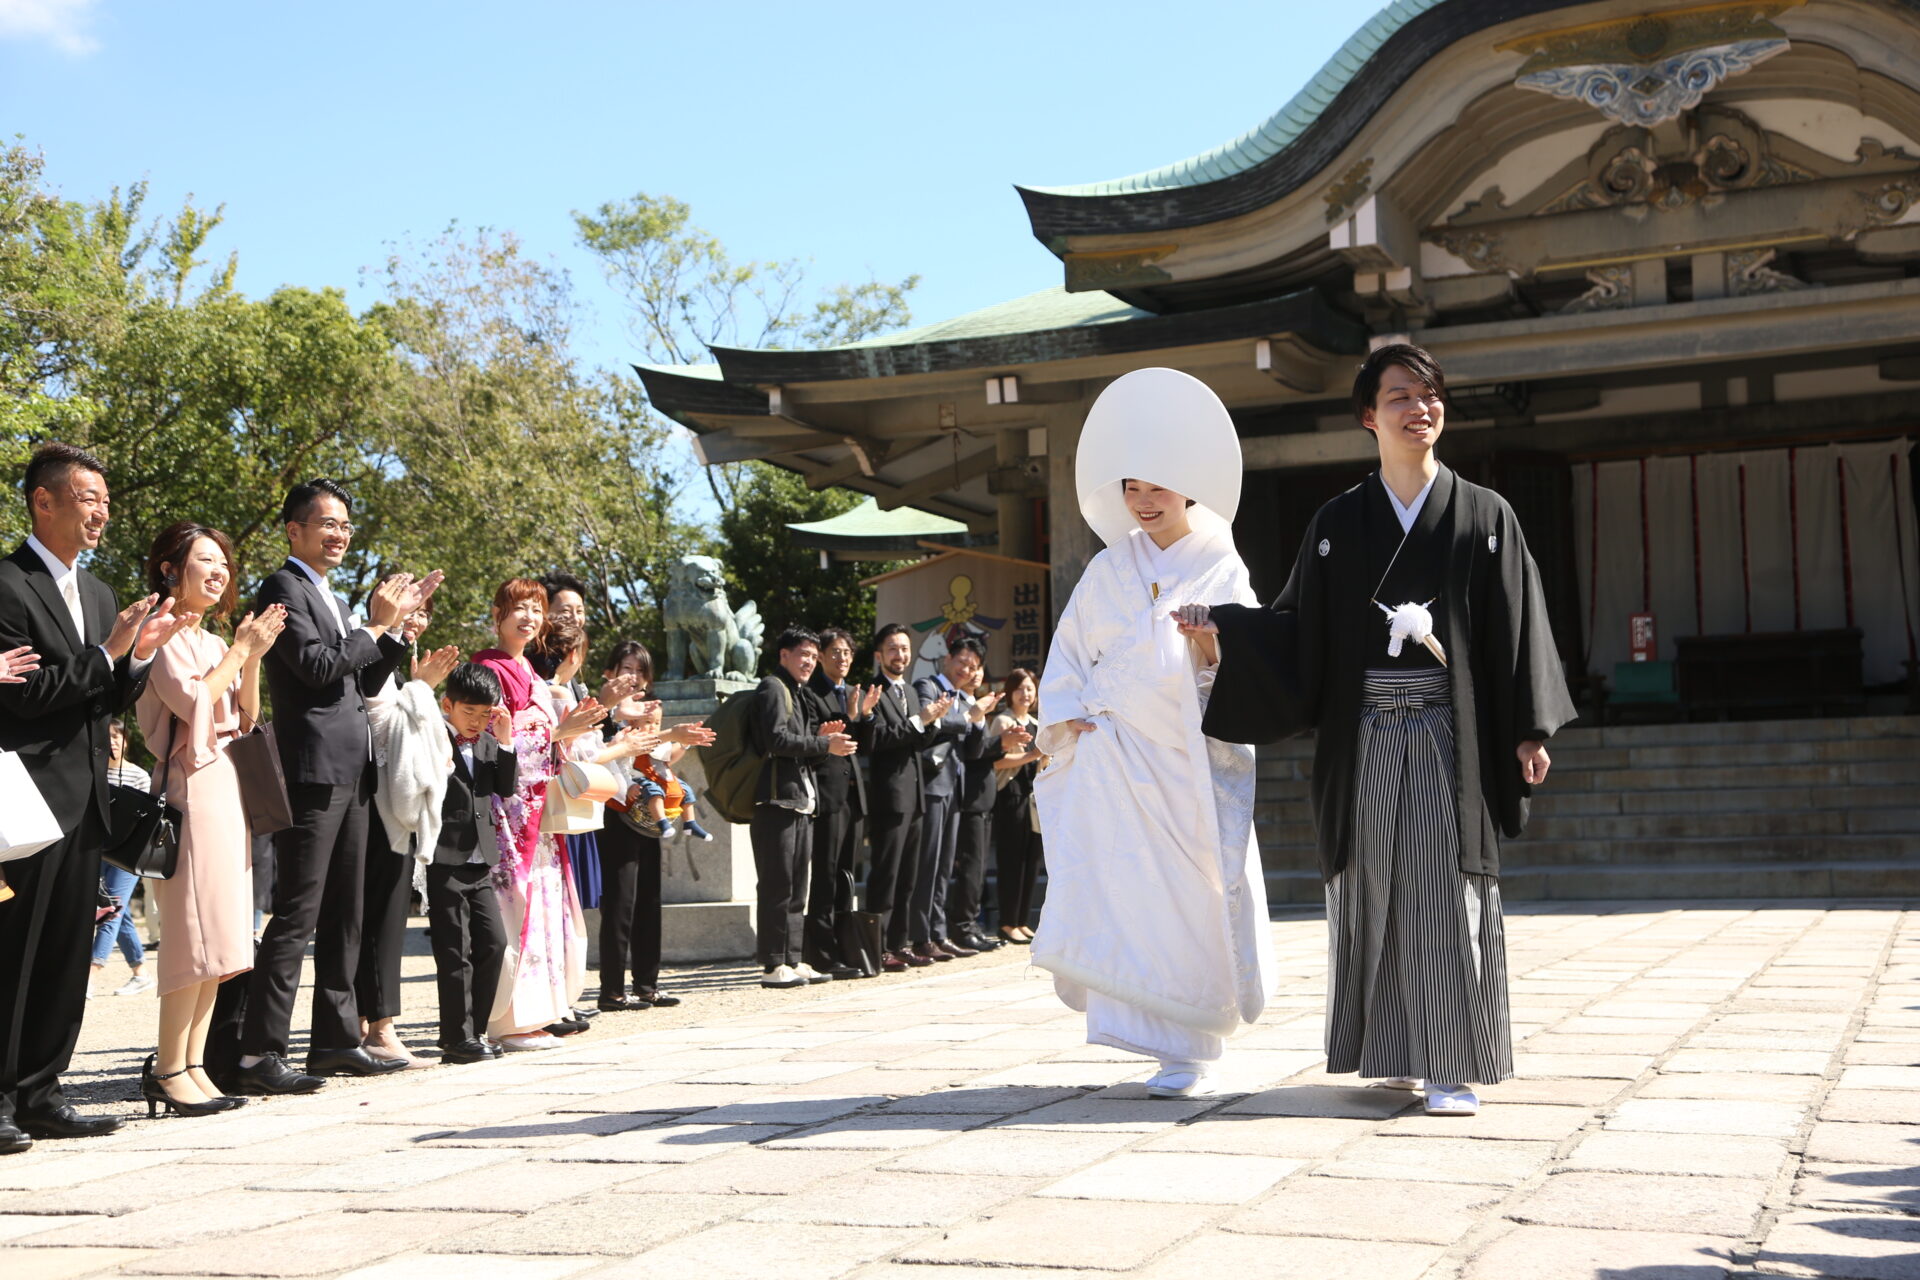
{"points": [[1412, 1084], [1452, 1100]]}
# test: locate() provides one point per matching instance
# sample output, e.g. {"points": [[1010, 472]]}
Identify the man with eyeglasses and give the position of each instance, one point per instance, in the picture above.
{"points": [[320, 672]]}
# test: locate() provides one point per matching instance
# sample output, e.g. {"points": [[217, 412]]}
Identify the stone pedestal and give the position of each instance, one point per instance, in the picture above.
{"points": [[708, 888]]}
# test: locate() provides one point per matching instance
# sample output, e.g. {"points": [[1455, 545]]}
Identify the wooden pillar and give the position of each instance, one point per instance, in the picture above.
{"points": [[1071, 541], [1015, 509]]}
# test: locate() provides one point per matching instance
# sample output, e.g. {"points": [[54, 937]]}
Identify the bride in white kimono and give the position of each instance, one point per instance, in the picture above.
{"points": [[1155, 922]]}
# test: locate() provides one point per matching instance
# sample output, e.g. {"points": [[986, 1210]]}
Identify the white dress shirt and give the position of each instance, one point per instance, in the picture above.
{"points": [[66, 579]]}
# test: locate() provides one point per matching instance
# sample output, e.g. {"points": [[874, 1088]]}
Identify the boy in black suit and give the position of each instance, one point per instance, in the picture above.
{"points": [[463, 912]]}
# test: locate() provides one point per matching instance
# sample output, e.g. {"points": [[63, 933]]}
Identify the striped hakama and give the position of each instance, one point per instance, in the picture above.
{"points": [[1417, 980]]}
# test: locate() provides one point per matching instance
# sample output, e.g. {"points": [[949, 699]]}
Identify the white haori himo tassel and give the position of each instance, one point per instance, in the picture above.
{"points": [[1413, 622]]}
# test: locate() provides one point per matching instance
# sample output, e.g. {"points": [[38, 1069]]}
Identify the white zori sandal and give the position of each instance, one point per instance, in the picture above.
{"points": [[1451, 1100], [1180, 1080], [1412, 1084]]}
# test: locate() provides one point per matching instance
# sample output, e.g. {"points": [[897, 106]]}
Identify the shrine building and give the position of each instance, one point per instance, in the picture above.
{"points": [[1668, 255]]}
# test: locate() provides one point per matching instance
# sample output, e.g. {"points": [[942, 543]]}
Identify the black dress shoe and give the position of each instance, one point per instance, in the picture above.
{"points": [[68, 1123], [979, 941], [350, 1062], [658, 999], [13, 1139], [472, 1049], [270, 1075], [622, 1004], [569, 1026]]}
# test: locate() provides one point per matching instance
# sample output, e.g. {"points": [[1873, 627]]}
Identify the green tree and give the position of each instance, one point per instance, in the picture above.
{"points": [[787, 581], [504, 457], [686, 293]]}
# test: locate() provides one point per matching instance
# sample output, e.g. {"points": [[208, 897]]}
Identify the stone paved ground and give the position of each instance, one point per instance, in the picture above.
{"points": [[1705, 1090]]}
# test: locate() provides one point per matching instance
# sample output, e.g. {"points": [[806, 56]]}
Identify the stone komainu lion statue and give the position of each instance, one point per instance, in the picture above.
{"points": [[706, 638]]}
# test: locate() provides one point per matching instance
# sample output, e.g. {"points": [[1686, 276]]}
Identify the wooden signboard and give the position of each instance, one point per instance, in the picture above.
{"points": [[999, 601]]}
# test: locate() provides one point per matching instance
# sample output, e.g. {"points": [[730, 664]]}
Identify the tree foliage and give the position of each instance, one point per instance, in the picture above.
{"points": [[474, 438], [686, 293]]}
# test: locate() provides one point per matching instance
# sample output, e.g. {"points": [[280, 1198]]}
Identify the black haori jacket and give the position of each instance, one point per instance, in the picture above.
{"points": [[1300, 663]]}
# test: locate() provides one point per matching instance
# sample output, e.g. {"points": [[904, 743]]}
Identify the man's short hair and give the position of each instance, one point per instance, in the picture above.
{"points": [[52, 463], [969, 644], [793, 638], [829, 634], [300, 499], [472, 685], [888, 632], [1417, 361]]}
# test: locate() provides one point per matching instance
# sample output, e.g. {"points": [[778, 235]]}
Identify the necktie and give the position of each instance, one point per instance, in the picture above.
{"points": [[462, 740], [900, 696], [840, 692], [70, 592]]}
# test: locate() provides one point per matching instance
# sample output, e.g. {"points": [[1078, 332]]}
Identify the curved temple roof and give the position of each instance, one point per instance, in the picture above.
{"points": [[1293, 146], [1280, 130]]}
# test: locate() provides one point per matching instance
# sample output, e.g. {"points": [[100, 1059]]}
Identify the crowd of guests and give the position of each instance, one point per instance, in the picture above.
{"points": [[500, 789], [923, 774]]}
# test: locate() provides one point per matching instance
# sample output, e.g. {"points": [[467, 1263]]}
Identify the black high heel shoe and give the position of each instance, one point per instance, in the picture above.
{"points": [[225, 1101], [157, 1096]]}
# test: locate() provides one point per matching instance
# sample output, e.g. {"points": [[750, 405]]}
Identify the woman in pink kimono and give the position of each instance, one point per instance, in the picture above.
{"points": [[200, 695], [546, 965]]}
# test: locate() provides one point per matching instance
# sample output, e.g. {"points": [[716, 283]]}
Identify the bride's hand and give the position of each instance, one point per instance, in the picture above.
{"points": [[1080, 726]]}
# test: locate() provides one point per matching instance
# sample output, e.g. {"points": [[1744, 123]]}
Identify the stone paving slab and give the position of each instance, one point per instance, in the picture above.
{"points": [[1725, 1090], [1568, 1253]]}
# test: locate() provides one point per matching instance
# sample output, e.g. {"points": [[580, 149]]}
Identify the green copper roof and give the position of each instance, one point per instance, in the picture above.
{"points": [[1280, 130], [1053, 308], [868, 522]]}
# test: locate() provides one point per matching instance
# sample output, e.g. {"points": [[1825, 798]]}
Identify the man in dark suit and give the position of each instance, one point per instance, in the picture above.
{"points": [[977, 792], [320, 672], [790, 741], [893, 736], [838, 824], [93, 665], [958, 735], [463, 911]]}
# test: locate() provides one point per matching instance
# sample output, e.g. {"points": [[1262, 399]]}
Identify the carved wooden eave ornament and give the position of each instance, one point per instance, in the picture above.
{"points": [[1713, 181], [1647, 70]]}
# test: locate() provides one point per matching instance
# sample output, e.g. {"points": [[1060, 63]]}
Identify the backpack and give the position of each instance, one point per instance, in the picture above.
{"points": [[732, 766]]}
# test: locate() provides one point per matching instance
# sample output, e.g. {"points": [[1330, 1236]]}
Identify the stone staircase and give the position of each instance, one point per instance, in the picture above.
{"points": [[1744, 809]]}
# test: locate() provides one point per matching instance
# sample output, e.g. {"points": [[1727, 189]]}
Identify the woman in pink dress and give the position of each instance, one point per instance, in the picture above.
{"points": [[197, 694], [546, 965]]}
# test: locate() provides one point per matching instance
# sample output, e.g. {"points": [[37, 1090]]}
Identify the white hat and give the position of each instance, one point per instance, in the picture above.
{"points": [[1167, 428]]}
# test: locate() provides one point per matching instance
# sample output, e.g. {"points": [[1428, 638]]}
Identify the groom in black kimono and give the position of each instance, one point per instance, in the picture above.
{"points": [[1413, 637]]}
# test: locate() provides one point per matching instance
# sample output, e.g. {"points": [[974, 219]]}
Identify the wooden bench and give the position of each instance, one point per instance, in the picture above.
{"points": [[1818, 672]]}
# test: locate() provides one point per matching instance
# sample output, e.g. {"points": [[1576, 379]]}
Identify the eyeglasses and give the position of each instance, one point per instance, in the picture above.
{"points": [[341, 527]]}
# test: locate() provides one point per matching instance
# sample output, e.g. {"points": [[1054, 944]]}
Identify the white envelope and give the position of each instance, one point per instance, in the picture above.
{"points": [[26, 824]]}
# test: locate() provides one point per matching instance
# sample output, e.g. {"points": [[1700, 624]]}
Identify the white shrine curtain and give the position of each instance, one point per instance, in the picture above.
{"points": [[1802, 539]]}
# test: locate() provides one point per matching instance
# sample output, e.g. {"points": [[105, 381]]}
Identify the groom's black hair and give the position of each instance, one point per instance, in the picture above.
{"points": [[1417, 361]]}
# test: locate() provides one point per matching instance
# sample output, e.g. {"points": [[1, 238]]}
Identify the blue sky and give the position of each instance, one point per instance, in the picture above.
{"points": [[869, 138]]}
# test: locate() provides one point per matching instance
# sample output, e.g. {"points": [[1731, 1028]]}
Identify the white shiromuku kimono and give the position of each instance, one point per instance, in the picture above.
{"points": [[1155, 922]]}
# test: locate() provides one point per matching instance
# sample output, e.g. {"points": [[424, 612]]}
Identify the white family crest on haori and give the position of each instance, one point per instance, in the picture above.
{"points": [[1156, 919]]}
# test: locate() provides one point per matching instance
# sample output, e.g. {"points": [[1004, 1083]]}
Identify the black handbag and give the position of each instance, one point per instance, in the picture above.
{"points": [[255, 756], [144, 833]]}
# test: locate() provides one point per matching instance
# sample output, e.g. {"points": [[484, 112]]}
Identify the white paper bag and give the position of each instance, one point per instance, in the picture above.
{"points": [[26, 824]]}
